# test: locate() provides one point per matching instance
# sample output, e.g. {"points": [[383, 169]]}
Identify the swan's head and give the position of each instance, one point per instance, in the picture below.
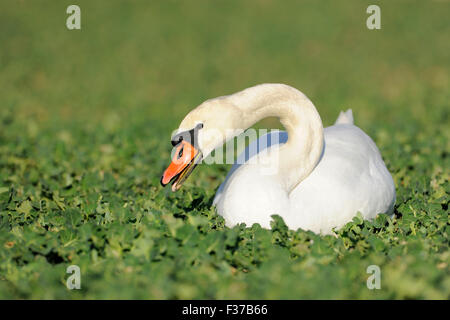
{"points": [[203, 129]]}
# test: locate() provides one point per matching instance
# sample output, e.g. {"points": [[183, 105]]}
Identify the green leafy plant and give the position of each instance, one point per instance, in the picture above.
{"points": [[85, 123]]}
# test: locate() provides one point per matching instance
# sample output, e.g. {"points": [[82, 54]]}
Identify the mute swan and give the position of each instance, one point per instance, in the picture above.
{"points": [[323, 177]]}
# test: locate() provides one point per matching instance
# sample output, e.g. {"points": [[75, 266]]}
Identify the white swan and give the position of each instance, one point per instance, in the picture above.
{"points": [[323, 177]]}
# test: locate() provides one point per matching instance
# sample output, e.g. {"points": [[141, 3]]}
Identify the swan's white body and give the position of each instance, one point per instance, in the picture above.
{"points": [[323, 177], [349, 178]]}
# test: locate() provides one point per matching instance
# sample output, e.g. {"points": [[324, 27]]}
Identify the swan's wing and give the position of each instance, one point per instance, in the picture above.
{"points": [[270, 139], [350, 177]]}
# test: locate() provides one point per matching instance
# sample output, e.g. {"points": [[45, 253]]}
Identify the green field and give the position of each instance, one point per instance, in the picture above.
{"points": [[85, 124]]}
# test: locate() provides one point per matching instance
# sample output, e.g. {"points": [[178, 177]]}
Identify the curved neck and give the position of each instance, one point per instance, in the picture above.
{"points": [[301, 153]]}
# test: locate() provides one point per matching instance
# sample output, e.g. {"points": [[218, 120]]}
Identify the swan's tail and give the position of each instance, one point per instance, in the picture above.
{"points": [[345, 117]]}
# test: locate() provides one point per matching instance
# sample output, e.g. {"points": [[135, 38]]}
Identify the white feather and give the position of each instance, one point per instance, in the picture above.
{"points": [[324, 177]]}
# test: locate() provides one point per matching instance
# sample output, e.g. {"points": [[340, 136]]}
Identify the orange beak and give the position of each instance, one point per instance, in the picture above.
{"points": [[183, 163]]}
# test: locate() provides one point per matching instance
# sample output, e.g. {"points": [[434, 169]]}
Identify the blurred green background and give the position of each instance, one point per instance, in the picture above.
{"points": [[162, 58], [102, 102]]}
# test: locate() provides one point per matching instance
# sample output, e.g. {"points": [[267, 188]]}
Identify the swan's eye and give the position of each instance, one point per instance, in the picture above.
{"points": [[180, 153], [177, 140]]}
